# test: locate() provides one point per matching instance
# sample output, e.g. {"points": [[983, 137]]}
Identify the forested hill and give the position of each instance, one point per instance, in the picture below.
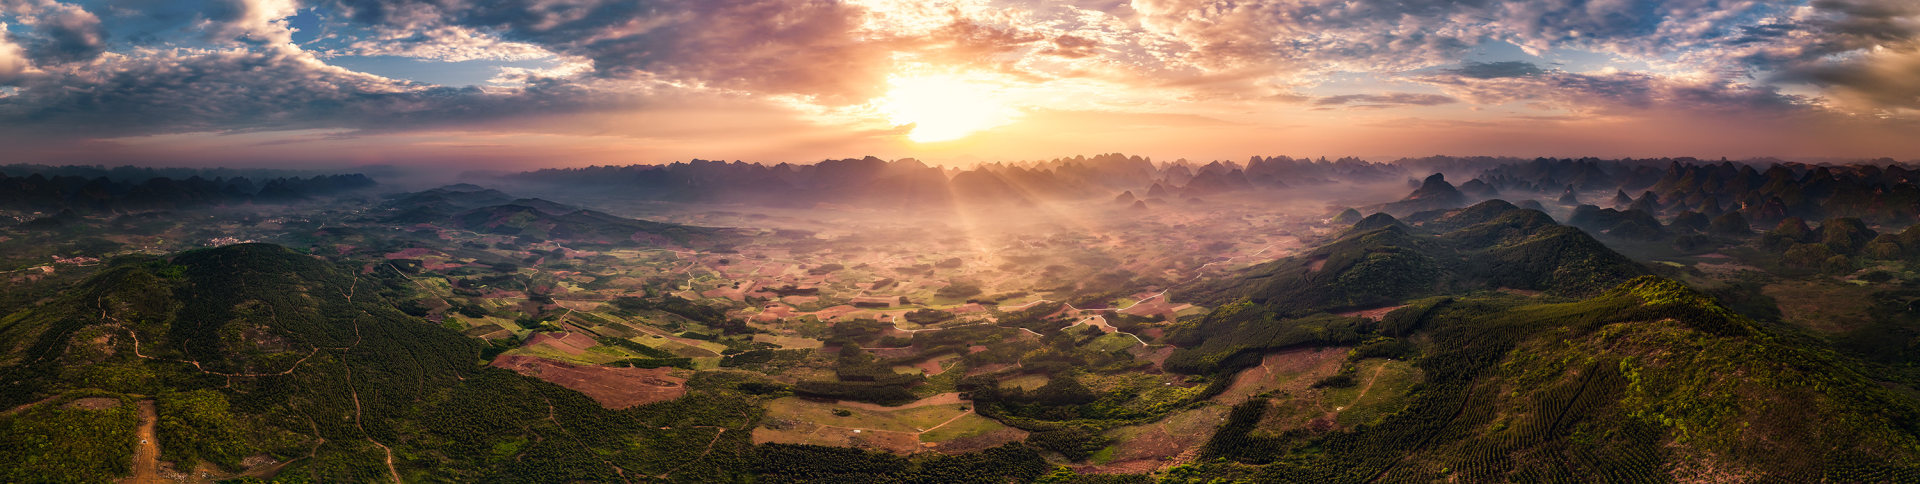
{"points": [[38, 192], [481, 210], [1599, 376], [1646, 382], [1382, 261], [253, 352]]}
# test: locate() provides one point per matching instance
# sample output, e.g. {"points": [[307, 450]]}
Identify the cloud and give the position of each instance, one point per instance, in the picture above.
{"points": [[771, 46], [1859, 51], [58, 33], [190, 91], [170, 91], [446, 43], [1073, 46], [1385, 100], [1865, 52], [523, 76], [1100, 120], [260, 22], [1496, 70], [969, 40], [13, 60], [144, 67], [1373, 35], [1883, 79], [1622, 93]]}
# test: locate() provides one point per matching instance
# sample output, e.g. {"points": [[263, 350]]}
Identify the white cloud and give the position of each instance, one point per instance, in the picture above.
{"points": [[253, 21], [13, 60], [445, 43]]}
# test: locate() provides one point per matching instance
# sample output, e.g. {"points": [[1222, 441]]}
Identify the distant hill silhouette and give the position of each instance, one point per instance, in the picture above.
{"points": [[910, 183], [1434, 193], [486, 210], [1764, 191], [100, 194]]}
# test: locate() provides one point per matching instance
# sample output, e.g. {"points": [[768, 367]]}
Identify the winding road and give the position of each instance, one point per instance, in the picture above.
{"points": [[147, 454]]}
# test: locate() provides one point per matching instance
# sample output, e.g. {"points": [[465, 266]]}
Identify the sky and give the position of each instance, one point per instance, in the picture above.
{"points": [[512, 84]]}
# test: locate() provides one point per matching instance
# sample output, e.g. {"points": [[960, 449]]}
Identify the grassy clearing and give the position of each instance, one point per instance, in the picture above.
{"points": [[788, 342], [508, 324], [970, 425], [1166, 438], [589, 357], [1025, 382], [1111, 342], [1822, 306], [1382, 390], [658, 338], [678, 346], [586, 315], [1292, 371], [912, 420], [707, 363]]}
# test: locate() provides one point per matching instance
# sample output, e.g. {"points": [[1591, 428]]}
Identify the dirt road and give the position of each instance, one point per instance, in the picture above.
{"points": [[146, 454]]}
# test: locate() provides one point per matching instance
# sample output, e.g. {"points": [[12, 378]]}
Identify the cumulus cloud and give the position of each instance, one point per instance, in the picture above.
{"points": [[802, 47], [191, 91], [446, 43], [614, 55], [1399, 34], [165, 91], [58, 32], [250, 21], [13, 60], [1861, 52]]}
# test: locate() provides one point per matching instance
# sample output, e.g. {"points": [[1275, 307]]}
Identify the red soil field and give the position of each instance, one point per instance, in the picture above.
{"points": [[569, 343], [614, 388]]}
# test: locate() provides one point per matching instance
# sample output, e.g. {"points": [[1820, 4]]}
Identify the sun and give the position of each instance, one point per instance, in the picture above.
{"points": [[942, 108]]}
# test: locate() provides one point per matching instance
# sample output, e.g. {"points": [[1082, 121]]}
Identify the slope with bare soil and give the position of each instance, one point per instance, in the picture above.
{"points": [[613, 387]]}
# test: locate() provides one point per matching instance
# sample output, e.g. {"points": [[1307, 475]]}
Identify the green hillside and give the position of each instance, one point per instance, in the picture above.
{"points": [[1483, 344], [1646, 382], [1381, 261], [1605, 377], [299, 360], [256, 351]]}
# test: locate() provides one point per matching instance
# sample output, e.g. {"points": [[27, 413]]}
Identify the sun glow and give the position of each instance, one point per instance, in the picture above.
{"points": [[942, 108]]}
